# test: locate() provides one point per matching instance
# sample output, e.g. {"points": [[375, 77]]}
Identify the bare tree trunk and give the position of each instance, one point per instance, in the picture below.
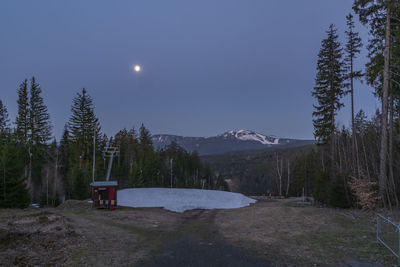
{"points": [[280, 180], [47, 187], [391, 176], [288, 177], [55, 180], [353, 128], [30, 184], [357, 157], [279, 167], [339, 155], [366, 159], [4, 181], [332, 136], [385, 91]]}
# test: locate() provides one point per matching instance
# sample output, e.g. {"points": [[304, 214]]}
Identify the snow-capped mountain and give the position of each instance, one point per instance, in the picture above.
{"points": [[229, 141], [247, 135]]}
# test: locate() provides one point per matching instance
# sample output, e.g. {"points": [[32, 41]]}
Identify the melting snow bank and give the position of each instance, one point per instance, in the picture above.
{"points": [[179, 200]]}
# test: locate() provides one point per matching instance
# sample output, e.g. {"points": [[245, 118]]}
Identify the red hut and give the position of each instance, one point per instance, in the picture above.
{"points": [[104, 194]]}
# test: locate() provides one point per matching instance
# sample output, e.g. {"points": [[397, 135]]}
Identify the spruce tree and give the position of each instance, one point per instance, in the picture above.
{"points": [[352, 49], [83, 123], [13, 191], [39, 118], [4, 121], [22, 119], [328, 90], [39, 133], [145, 137], [373, 14]]}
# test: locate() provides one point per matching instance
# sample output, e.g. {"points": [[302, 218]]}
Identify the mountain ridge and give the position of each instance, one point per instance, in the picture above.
{"points": [[229, 141]]}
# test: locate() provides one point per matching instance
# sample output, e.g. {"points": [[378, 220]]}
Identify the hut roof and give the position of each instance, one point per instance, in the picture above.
{"points": [[104, 183]]}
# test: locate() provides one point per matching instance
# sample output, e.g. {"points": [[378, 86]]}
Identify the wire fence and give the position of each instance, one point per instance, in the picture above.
{"points": [[388, 234]]}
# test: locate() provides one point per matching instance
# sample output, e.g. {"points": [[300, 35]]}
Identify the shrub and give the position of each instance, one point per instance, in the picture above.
{"points": [[365, 191]]}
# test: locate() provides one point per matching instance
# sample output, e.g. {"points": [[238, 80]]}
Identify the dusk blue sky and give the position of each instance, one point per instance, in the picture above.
{"points": [[208, 66]]}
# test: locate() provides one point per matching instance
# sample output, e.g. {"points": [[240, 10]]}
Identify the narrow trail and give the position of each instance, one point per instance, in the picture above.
{"points": [[198, 243]]}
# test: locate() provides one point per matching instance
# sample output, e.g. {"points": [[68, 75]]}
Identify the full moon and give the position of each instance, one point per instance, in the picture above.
{"points": [[137, 68]]}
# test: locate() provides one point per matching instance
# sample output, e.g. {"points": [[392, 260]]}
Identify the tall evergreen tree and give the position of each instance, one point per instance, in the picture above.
{"points": [[352, 49], [82, 126], [22, 119], [64, 152], [83, 123], [328, 90], [145, 137], [13, 191], [4, 120], [39, 118]]}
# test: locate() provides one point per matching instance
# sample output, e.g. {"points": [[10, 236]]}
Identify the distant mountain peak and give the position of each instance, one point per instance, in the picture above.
{"points": [[248, 135]]}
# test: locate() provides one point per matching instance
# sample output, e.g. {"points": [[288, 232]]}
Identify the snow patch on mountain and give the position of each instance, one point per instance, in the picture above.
{"points": [[247, 135]]}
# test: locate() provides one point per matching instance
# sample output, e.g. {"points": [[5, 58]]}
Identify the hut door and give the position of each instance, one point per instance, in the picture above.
{"points": [[111, 197]]}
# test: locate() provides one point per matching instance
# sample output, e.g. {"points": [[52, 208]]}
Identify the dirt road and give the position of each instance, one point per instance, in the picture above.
{"points": [[198, 243]]}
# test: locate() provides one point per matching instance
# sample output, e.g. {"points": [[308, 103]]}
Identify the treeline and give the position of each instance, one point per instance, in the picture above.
{"points": [[359, 166], [263, 172], [35, 168]]}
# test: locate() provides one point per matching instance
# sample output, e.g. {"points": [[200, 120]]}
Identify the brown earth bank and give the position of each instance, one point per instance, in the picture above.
{"points": [[272, 232]]}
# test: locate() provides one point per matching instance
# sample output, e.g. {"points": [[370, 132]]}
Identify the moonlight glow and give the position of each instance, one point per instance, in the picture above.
{"points": [[137, 68]]}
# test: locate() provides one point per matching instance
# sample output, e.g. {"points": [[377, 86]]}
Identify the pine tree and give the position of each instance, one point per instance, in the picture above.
{"points": [[39, 118], [352, 48], [4, 121], [373, 14], [328, 90], [13, 191], [83, 123], [22, 120], [82, 126], [145, 137]]}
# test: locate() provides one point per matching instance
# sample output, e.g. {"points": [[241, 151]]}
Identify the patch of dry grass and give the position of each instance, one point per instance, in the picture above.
{"points": [[312, 235]]}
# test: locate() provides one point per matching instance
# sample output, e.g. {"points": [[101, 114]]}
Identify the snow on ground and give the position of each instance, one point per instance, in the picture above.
{"points": [[179, 200]]}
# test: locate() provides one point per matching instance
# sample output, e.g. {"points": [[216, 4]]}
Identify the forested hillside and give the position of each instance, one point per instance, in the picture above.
{"points": [[35, 167]]}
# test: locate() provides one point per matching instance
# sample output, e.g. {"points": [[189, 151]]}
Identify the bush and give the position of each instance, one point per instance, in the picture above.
{"points": [[320, 186], [365, 191], [17, 196], [337, 195], [80, 188]]}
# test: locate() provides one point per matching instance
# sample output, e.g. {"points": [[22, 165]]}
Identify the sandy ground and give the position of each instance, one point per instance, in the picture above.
{"points": [[268, 233]]}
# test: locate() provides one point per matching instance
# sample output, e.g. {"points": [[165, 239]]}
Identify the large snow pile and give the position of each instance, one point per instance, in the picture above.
{"points": [[179, 200]]}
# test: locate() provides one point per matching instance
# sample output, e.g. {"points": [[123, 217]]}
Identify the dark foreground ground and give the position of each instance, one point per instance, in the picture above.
{"points": [[198, 243], [269, 233]]}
